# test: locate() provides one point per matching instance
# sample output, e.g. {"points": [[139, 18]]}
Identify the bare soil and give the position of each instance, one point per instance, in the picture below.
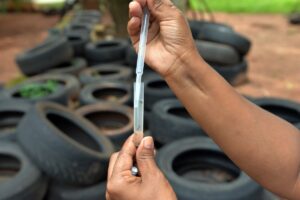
{"points": [[17, 33], [274, 59]]}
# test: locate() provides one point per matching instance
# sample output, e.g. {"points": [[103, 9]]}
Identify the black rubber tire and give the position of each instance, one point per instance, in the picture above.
{"points": [[114, 73], [28, 183], [185, 156], [131, 60], [156, 89], [11, 113], [237, 41], [131, 56], [232, 73], [170, 122], [78, 40], [270, 196], [197, 25], [54, 51], [217, 53], [73, 67], [77, 26], [114, 121], [69, 88], [283, 108], [64, 145], [294, 18], [106, 51], [64, 192], [106, 92]]}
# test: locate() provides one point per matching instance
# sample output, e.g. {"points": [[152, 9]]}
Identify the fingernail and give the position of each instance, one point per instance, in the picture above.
{"points": [[148, 143], [130, 4]]}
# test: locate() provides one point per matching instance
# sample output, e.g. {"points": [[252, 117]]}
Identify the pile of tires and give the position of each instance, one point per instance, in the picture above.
{"points": [[56, 145], [222, 48]]}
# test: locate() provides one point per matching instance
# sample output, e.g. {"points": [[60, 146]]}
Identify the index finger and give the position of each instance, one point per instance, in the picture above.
{"points": [[125, 158]]}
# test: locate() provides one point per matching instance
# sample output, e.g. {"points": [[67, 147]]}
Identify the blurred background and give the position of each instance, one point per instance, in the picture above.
{"points": [[77, 53], [273, 60]]}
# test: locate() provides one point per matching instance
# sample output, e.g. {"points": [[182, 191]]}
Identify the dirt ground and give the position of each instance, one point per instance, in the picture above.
{"points": [[274, 59]]}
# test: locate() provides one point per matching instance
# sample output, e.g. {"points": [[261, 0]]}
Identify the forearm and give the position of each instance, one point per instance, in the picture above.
{"points": [[264, 146]]}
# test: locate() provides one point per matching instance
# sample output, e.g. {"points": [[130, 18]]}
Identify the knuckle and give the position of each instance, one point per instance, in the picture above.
{"points": [[145, 156], [157, 4]]}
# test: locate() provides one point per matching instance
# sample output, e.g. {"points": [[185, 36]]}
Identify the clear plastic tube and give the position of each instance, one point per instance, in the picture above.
{"points": [[139, 86], [139, 113]]}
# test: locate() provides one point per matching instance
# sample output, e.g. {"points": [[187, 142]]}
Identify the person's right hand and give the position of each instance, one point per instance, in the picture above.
{"points": [[169, 41]]}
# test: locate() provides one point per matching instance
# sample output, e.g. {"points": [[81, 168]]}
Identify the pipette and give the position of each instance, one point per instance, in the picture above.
{"points": [[139, 85]]}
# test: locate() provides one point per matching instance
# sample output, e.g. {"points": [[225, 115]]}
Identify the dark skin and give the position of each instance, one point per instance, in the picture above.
{"points": [[266, 147]]}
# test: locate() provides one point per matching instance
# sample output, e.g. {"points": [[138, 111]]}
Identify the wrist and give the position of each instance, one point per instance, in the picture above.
{"points": [[187, 67]]}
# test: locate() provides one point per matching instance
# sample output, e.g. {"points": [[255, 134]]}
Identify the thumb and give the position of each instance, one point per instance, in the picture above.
{"points": [[161, 9], [145, 157]]}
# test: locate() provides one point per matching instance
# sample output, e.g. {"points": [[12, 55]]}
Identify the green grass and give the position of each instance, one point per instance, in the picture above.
{"points": [[249, 6]]}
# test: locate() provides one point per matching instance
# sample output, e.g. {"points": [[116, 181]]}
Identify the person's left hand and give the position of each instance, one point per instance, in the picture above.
{"points": [[151, 184]]}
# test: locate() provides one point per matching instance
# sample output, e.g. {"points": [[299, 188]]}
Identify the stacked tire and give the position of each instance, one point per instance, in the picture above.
{"points": [[222, 48]]}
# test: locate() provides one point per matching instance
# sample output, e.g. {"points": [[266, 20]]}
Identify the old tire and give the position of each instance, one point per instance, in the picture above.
{"points": [[239, 42], [197, 25], [131, 59], [11, 113], [78, 40], [68, 88], [65, 192], [131, 56], [52, 52], [194, 167], [156, 89], [285, 109], [78, 26], [217, 53], [114, 121], [28, 182], [73, 67], [106, 92], [64, 145], [170, 121], [104, 73], [294, 18], [232, 73], [106, 51]]}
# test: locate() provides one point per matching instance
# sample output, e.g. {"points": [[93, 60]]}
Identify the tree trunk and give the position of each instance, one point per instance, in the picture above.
{"points": [[90, 4], [119, 12]]}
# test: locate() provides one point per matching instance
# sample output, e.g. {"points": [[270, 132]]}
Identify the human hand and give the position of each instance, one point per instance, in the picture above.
{"points": [[169, 39], [151, 184]]}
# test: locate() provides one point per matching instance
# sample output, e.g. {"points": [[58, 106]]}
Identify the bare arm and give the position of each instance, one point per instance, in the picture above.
{"points": [[263, 145]]}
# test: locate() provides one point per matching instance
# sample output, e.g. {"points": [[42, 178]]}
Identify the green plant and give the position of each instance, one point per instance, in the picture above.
{"points": [[38, 90], [247, 6]]}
